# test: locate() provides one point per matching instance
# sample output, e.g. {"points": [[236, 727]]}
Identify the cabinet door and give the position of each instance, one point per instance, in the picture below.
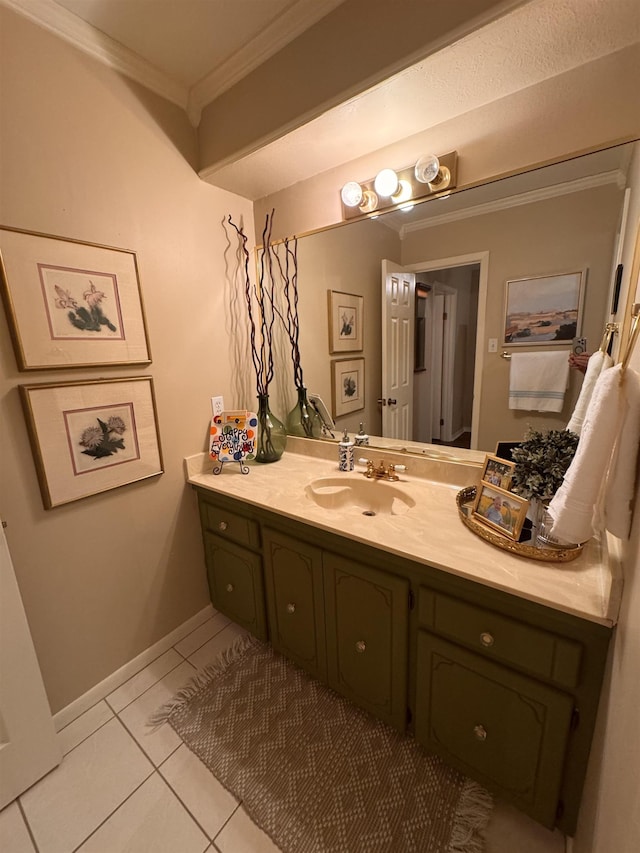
{"points": [[235, 583], [367, 618], [295, 601], [504, 729]]}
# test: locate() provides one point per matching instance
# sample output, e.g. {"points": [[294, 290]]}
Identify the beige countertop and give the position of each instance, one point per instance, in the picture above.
{"points": [[429, 532]]}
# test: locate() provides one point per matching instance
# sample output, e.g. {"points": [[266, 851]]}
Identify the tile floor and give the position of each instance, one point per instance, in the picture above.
{"points": [[124, 787]]}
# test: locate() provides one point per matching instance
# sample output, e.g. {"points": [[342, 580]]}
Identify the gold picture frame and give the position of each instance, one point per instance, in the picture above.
{"points": [[345, 322], [92, 436], [498, 472], [500, 510], [70, 303], [347, 386]]}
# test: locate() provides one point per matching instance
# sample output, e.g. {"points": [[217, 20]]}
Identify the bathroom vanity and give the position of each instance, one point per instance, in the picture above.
{"points": [[492, 661]]}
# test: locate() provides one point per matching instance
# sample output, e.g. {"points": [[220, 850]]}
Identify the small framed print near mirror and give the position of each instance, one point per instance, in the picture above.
{"points": [[345, 322], [347, 386], [544, 309]]}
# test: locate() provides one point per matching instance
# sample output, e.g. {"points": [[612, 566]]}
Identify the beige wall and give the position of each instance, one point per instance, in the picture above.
{"points": [[579, 110], [87, 154], [571, 232], [323, 266]]}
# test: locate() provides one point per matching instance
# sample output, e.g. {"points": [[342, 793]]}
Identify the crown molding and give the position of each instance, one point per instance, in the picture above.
{"points": [[554, 191], [298, 18], [59, 21]]}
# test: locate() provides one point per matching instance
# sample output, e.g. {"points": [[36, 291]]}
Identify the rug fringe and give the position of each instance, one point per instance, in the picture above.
{"points": [[230, 655], [471, 819]]}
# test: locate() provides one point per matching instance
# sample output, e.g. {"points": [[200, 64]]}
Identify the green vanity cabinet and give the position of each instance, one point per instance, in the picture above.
{"points": [[503, 688], [295, 601], [234, 564], [504, 729], [367, 618]]}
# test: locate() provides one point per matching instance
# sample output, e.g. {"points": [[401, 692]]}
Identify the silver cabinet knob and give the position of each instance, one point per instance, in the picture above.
{"points": [[223, 525], [361, 646], [480, 732], [229, 587], [291, 608], [486, 639]]}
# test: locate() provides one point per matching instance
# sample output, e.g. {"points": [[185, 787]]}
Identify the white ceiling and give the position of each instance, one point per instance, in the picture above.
{"points": [[192, 50]]}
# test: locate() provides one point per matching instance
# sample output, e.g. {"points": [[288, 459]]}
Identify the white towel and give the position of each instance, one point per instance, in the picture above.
{"points": [[538, 381], [598, 362], [621, 483], [573, 506]]}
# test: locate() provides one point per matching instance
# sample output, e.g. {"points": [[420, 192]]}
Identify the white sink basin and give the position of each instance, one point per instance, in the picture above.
{"points": [[370, 497]]}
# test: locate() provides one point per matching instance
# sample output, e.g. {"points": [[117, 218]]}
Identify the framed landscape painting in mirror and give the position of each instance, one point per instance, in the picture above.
{"points": [[71, 304], [545, 309]]}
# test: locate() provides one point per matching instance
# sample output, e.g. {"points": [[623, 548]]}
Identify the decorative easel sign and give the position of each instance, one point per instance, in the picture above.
{"points": [[232, 439]]}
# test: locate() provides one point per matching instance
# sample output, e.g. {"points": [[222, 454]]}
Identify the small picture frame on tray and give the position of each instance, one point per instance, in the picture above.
{"points": [[498, 472], [500, 510]]}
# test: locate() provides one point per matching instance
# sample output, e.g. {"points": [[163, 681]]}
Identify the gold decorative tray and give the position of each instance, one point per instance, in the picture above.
{"points": [[464, 500]]}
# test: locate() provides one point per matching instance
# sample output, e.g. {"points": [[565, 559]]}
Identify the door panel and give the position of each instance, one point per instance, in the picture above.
{"points": [[398, 296]]}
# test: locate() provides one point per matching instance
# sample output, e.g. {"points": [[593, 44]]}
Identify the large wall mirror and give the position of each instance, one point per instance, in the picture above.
{"points": [[459, 253]]}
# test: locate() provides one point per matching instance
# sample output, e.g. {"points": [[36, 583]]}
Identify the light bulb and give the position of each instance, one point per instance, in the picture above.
{"points": [[351, 194], [427, 168], [403, 192], [386, 182], [369, 201]]}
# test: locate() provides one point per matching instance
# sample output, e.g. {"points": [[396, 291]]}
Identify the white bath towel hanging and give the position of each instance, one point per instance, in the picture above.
{"points": [[598, 362], [612, 422], [538, 381]]}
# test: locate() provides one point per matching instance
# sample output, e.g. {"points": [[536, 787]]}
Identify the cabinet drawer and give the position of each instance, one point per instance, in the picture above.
{"points": [[229, 525], [496, 636], [507, 731], [367, 637], [235, 583], [295, 601]]}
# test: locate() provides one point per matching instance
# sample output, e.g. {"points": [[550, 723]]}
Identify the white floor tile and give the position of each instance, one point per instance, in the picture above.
{"points": [[210, 651], [140, 682], [158, 743], [207, 800], [14, 835], [241, 835], [65, 806], [86, 724], [152, 819], [201, 635], [510, 830]]}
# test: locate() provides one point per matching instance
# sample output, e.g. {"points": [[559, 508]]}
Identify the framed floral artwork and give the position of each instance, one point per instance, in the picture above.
{"points": [[347, 386], [89, 437], [71, 304], [345, 322]]}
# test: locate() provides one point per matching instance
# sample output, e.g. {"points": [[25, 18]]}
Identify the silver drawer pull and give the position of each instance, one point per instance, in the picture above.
{"points": [[229, 587], [486, 639], [291, 608], [480, 732], [223, 525], [361, 646]]}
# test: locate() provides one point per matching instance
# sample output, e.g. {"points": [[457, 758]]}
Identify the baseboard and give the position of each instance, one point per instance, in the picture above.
{"points": [[112, 682]]}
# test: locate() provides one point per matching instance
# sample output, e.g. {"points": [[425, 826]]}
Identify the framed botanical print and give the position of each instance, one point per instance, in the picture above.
{"points": [[71, 304], [347, 386], [89, 437], [345, 322]]}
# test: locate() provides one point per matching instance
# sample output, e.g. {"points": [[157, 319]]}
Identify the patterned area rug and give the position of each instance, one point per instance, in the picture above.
{"points": [[316, 773]]}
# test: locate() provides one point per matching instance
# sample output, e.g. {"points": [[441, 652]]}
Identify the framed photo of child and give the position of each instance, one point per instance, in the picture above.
{"points": [[500, 510], [498, 472]]}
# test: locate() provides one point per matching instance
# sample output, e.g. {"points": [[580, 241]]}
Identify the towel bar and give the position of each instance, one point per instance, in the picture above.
{"points": [[505, 354]]}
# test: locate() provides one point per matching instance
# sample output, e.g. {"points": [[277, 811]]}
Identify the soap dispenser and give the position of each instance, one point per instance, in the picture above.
{"points": [[361, 438], [345, 453]]}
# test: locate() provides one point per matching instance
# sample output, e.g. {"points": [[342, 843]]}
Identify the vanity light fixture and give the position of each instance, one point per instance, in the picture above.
{"points": [[390, 189]]}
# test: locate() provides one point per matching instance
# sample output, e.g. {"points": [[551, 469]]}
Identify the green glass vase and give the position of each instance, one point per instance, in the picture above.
{"points": [[303, 420], [272, 435]]}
